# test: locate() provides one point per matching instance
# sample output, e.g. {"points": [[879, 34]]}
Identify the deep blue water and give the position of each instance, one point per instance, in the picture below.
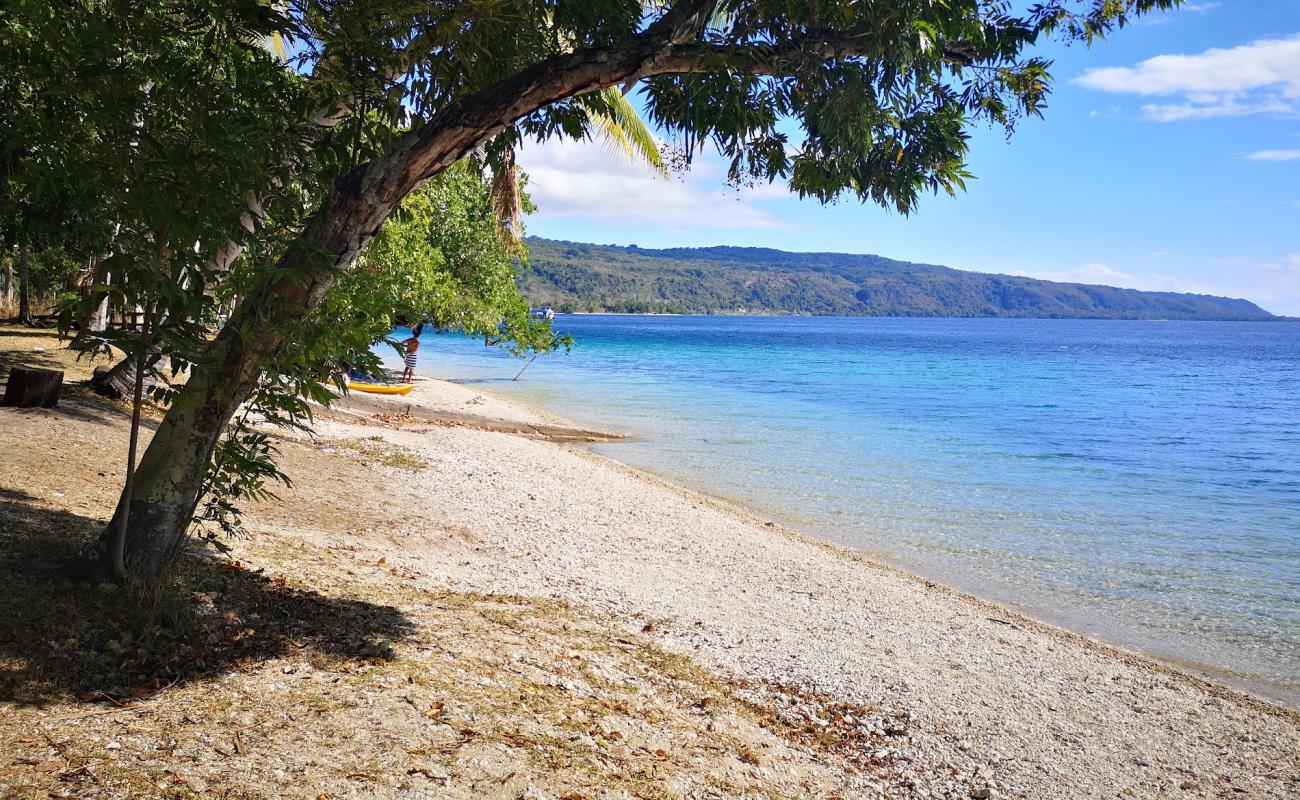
{"points": [[1136, 481]]}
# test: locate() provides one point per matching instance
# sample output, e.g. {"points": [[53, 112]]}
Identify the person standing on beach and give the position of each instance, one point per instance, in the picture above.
{"points": [[411, 345]]}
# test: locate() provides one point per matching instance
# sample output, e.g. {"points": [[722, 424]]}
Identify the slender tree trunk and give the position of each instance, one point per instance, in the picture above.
{"points": [[24, 286], [9, 282], [116, 557]]}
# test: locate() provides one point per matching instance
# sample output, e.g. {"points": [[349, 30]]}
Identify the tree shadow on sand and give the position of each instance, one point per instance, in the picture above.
{"points": [[59, 638]]}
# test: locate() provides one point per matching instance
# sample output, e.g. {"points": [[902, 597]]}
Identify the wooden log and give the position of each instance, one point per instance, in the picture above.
{"points": [[29, 387]]}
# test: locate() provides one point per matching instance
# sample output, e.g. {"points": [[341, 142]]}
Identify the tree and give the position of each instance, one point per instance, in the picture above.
{"points": [[131, 131], [883, 93], [24, 286], [440, 261]]}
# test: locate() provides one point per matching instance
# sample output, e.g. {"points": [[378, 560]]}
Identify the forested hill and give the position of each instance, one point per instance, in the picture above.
{"points": [[572, 276]]}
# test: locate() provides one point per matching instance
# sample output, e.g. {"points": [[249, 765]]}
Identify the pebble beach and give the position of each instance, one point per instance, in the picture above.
{"points": [[978, 696]]}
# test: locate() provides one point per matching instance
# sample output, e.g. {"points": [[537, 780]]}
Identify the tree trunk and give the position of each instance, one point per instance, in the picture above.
{"points": [[98, 321], [168, 482], [24, 286], [9, 282], [94, 323], [169, 478], [91, 311]]}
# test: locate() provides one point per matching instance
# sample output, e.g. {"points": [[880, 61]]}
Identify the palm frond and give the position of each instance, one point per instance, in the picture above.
{"points": [[617, 123], [275, 44]]}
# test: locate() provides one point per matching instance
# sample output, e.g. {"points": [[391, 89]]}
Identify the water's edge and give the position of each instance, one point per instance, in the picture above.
{"points": [[1254, 686], [1081, 541]]}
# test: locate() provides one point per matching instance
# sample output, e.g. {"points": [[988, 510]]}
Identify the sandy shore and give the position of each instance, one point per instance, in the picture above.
{"points": [[980, 697], [455, 510]]}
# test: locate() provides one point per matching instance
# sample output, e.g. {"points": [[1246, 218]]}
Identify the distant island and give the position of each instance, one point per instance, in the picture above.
{"points": [[579, 277]]}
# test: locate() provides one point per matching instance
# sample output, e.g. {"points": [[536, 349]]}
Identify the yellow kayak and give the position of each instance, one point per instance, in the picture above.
{"points": [[381, 388]]}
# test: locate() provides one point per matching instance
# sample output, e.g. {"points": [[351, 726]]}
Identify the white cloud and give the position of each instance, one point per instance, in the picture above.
{"points": [[1274, 155], [1273, 284], [1260, 77], [582, 179], [1221, 107]]}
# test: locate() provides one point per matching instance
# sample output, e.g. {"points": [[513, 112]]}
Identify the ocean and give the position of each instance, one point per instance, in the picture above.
{"points": [[1138, 482]]}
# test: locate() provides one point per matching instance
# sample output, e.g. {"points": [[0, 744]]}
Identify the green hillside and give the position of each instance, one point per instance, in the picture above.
{"points": [[572, 276]]}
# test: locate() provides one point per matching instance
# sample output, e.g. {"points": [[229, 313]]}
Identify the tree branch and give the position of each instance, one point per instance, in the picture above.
{"points": [[471, 120]]}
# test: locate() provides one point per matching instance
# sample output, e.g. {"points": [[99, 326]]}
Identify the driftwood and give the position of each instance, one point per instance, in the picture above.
{"points": [[29, 387]]}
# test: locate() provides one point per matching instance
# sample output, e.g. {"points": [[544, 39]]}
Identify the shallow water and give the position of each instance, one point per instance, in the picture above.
{"points": [[1135, 481]]}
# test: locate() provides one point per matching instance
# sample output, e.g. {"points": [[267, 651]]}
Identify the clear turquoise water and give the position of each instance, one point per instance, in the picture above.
{"points": [[1135, 481]]}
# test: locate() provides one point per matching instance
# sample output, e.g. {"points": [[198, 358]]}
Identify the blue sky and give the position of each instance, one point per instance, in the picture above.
{"points": [[1169, 159]]}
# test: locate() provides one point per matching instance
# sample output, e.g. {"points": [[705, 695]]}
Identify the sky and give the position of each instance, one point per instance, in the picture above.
{"points": [[1168, 159]]}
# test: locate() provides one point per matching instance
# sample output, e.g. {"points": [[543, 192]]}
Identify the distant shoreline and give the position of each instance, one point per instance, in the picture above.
{"points": [[779, 315], [725, 280]]}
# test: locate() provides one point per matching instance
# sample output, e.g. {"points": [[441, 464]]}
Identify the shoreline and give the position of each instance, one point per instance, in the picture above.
{"points": [[987, 690], [1200, 673], [1246, 684]]}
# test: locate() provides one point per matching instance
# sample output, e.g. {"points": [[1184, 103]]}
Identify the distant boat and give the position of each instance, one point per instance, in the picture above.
{"points": [[545, 312]]}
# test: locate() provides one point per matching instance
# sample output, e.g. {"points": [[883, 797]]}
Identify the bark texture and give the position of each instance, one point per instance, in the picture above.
{"points": [[92, 323], [118, 381]]}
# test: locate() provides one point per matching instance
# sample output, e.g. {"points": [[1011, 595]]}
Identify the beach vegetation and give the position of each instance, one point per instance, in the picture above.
{"points": [[263, 146]]}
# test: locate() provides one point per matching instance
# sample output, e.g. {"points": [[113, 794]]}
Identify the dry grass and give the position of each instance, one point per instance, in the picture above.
{"points": [[358, 681]]}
